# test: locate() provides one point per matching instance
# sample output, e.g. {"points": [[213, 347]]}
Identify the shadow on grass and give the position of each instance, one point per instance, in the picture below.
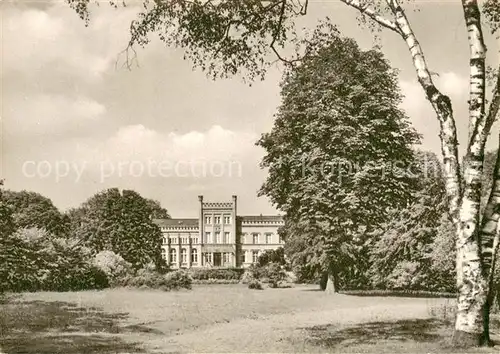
{"points": [[421, 330], [61, 327]]}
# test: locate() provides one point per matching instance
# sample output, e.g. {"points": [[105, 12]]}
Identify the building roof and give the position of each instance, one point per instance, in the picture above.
{"points": [[176, 222], [261, 218]]}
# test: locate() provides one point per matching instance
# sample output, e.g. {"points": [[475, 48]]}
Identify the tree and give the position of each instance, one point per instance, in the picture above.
{"points": [[225, 37], [157, 211], [337, 152], [31, 209], [272, 256], [120, 222], [400, 256]]}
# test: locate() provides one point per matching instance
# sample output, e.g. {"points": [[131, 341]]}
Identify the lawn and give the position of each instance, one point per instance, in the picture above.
{"points": [[222, 318]]}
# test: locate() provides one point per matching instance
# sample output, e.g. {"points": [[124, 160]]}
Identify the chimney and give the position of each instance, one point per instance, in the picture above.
{"points": [[200, 198]]}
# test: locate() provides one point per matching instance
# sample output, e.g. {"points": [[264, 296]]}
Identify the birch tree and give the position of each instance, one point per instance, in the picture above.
{"points": [[226, 37]]}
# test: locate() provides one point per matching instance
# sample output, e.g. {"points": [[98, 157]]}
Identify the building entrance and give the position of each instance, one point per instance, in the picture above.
{"points": [[217, 259]]}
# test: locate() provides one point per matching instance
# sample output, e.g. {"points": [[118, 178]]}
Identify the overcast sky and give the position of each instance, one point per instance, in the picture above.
{"points": [[65, 104]]}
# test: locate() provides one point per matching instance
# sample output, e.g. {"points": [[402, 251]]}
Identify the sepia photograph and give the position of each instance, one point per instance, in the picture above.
{"points": [[249, 176]]}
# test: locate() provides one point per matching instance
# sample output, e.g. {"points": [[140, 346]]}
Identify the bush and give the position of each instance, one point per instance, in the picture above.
{"points": [[75, 279], [255, 285], [216, 281], [216, 274], [178, 279], [275, 274], [114, 266], [148, 279]]}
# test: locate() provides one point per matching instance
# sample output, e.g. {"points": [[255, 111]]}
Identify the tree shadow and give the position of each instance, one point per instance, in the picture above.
{"points": [[418, 330], [61, 327]]}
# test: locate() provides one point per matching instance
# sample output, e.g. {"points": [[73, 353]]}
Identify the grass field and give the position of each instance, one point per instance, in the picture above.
{"points": [[223, 318]]}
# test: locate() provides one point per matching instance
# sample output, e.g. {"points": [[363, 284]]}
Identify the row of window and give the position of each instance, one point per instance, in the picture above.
{"points": [[183, 240], [217, 238], [226, 256], [217, 219], [225, 238], [183, 257], [256, 238]]}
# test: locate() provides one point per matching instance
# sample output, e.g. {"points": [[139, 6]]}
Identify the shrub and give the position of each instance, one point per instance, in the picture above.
{"points": [[216, 281], [219, 274], [178, 279], [147, 279], [114, 266], [247, 277], [255, 285], [275, 275]]}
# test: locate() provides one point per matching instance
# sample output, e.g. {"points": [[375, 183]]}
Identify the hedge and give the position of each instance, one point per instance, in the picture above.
{"points": [[399, 293], [216, 274]]}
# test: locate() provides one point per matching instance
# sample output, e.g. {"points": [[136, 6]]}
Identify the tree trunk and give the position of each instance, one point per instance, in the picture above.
{"points": [[332, 282]]}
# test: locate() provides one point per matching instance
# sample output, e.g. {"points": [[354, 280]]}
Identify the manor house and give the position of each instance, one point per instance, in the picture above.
{"points": [[219, 237]]}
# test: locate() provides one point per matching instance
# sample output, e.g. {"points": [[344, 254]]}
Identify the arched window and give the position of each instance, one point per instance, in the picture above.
{"points": [[163, 253], [173, 256], [183, 255], [194, 255]]}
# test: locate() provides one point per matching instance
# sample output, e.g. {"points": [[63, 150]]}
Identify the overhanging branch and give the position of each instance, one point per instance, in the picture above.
{"points": [[365, 9]]}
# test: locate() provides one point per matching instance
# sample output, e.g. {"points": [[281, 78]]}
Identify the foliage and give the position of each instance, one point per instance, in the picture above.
{"points": [[399, 293], [120, 222], [216, 274], [31, 209], [255, 285], [145, 278], [272, 256], [36, 260], [157, 211], [275, 274], [400, 256], [114, 266]]}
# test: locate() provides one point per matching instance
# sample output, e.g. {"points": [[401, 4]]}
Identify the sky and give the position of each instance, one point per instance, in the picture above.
{"points": [[74, 122]]}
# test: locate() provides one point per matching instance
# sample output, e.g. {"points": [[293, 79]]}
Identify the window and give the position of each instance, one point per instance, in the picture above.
{"points": [[208, 257], [255, 256], [173, 256], [227, 219], [173, 240], [194, 255], [163, 253], [226, 257], [217, 237], [208, 237], [255, 238], [226, 237], [195, 239], [165, 241], [183, 256], [208, 219], [269, 238], [216, 219]]}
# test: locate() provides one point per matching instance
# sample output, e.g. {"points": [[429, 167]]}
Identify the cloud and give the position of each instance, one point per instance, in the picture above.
{"points": [[55, 38], [45, 115]]}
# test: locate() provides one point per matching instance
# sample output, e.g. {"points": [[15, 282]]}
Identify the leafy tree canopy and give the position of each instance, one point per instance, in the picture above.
{"points": [[119, 221], [31, 209]]}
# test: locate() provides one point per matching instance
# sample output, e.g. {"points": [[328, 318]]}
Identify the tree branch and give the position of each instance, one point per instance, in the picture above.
{"points": [[441, 105], [366, 10]]}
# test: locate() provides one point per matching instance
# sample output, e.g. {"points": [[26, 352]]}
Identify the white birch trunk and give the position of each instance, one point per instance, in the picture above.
{"points": [[471, 283]]}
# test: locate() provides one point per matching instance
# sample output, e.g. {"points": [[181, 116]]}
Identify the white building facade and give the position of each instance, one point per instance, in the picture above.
{"points": [[219, 237]]}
